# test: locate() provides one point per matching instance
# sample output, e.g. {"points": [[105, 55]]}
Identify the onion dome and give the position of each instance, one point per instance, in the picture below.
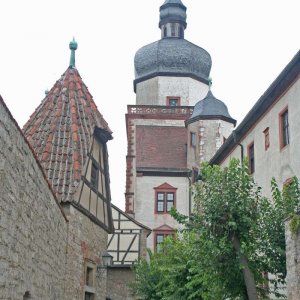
{"points": [[60, 131], [210, 108], [172, 55]]}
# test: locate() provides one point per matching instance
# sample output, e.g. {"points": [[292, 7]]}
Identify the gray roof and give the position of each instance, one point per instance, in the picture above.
{"points": [[210, 107], [172, 57]]}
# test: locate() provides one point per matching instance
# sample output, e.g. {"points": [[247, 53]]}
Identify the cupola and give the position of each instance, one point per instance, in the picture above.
{"points": [[172, 19], [172, 55]]}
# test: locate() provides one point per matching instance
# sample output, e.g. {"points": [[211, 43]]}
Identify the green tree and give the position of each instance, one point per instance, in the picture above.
{"points": [[227, 244]]}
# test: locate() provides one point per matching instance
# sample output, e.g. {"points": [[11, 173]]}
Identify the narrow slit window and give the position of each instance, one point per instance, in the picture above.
{"points": [[94, 176], [251, 158], [284, 128]]}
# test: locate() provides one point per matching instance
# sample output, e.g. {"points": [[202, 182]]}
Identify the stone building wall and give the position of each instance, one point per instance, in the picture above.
{"points": [[292, 263], [86, 243], [33, 229], [118, 280]]}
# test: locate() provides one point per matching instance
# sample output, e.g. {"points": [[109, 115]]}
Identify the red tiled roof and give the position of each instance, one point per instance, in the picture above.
{"points": [[60, 132]]}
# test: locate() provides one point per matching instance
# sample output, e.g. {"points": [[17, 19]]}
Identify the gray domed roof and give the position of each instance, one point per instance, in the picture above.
{"points": [[172, 57], [210, 108]]}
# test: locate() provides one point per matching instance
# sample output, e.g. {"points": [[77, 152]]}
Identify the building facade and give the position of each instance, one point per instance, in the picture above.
{"points": [[269, 137], [166, 139]]}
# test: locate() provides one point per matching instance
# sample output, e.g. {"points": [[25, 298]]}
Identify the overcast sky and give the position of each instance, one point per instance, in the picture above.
{"points": [[250, 42]]}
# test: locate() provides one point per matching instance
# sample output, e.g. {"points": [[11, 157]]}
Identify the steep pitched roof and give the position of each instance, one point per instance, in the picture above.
{"points": [[60, 132]]}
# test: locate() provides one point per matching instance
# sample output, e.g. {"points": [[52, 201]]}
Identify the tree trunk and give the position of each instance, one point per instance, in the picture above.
{"points": [[247, 273]]}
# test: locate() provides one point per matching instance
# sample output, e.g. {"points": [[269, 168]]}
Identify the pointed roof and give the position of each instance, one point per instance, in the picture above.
{"points": [[210, 108], [60, 132]]}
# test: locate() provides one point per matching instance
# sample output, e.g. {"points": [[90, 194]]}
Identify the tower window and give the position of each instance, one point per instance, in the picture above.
{"points": [[193, 139], [165, 31], [284, 128], [164, 201], [181, 33], [165, 198], [173, 30], [251, 158], [173, 101]]}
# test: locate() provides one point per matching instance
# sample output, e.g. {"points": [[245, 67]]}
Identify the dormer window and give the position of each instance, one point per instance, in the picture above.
{"points": [[173, 101]]}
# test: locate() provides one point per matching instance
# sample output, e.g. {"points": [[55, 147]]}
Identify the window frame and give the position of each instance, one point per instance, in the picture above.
{"points": [[267, 138], [164, 234], [284, 131], [193, 141], [251, 158], [164, 190], [170, 98], [89, 289]]}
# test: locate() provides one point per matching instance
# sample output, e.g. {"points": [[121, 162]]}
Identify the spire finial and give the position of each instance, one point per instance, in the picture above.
{"points": [[73, 47]]}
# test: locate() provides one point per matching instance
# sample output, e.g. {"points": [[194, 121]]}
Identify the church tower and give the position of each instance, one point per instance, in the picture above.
{"points": [[171, 76]]}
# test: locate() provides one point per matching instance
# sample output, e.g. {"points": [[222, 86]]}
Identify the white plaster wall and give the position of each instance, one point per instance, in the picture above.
{"points": [[156, 90], [145, 202], [281, 164]]}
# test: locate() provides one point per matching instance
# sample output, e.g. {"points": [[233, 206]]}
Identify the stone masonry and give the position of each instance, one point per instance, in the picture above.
{"points": [[31, 219]]}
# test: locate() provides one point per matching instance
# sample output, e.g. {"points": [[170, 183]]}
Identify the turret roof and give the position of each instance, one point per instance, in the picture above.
{"points": [[60, 132]]}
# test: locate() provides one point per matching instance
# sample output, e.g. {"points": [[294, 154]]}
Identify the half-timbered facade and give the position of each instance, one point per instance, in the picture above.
{"points": [[126, 245]]}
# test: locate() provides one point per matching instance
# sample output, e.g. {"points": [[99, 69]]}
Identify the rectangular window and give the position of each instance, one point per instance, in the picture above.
{"points": [[165, 198], [159, 238], [267, 138], [160, 202], [89, 296], [170, 201], [173, 101], [251, 158], [193, 139], [284, 128], [94, 176], [89, 293], [89, 276], [172, 29], [158, 241]]}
